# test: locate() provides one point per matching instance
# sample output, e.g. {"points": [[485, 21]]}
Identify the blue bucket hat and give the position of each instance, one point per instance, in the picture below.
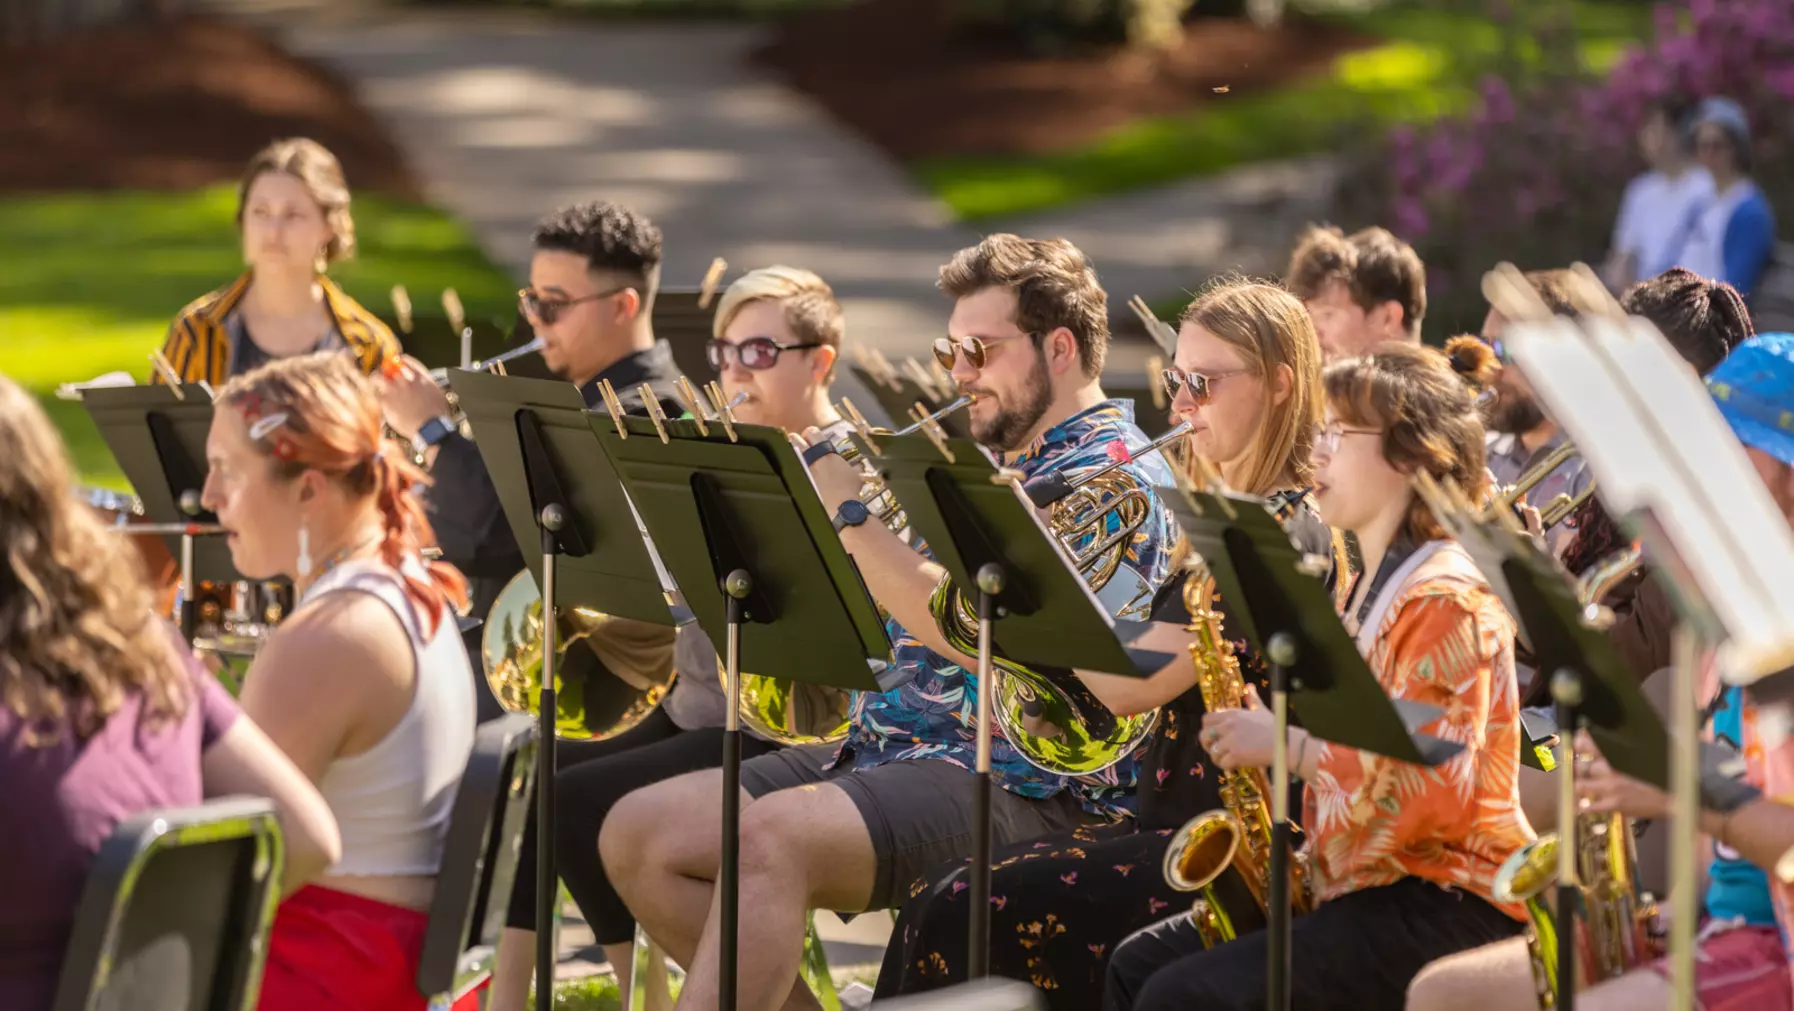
{"points": [[1754, 388]]}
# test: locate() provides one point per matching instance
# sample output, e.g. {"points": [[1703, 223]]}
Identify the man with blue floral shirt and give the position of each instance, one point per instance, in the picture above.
{"points": [[848, 829]]}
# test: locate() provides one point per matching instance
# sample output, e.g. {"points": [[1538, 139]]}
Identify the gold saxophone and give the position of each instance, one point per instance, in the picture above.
{"points": [[1239, 835], [1620, 924]]}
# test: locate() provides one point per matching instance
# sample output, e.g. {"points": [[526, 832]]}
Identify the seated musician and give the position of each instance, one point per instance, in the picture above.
{"points": [[1247, 380], [104, 713], [293, 216], [593, 277], [849, 829], [778, 334], [365, 686], [1401, 859], [1361, 289], [1742, 961]]}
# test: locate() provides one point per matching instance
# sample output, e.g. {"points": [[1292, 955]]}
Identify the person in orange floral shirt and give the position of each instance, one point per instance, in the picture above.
{"points": [[1402, 858]]}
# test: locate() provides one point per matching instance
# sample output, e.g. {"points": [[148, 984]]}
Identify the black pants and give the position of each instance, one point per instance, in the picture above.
{"points": [[592, 777], [1359, 951]]}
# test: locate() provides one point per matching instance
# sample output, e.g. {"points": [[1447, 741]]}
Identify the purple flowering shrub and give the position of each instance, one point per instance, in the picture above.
{"points": [[1535, 174]]}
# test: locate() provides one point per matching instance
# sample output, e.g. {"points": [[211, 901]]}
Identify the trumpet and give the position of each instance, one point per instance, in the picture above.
{"points": [[496, 361], [1508, 499]]}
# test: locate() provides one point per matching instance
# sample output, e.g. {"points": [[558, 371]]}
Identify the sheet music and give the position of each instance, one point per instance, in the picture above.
{"points": [[1657, 444]]}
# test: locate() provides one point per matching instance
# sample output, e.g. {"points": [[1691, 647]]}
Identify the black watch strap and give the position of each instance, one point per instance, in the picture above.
{"points": [[851, 513], [824, 448]]}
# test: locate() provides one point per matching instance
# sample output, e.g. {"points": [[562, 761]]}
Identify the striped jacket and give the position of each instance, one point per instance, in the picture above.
{"points": [[198, 344]]}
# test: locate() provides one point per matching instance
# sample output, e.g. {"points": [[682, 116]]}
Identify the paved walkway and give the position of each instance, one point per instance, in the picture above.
{"points": [[508, 113]]}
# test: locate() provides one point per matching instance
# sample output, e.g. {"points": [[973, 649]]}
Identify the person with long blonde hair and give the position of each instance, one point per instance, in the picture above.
{"points": [[103, 711], [366, 686], [1246, 377]]}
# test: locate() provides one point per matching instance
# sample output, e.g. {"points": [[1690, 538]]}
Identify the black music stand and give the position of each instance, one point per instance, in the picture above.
{"points": [[739, 525], [558, 489], [1030, 602], [158, 434], [1288, 616], [1591, 689]]}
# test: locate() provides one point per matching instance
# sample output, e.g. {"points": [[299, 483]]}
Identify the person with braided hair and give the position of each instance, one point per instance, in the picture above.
{"points": [[366, 686]]}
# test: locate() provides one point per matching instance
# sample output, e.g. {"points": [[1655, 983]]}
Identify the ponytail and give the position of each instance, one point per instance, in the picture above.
{"points": [[407, 530]]}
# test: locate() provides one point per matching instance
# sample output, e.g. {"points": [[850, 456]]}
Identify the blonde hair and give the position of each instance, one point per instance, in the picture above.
{"points": [[1269, 328], [811, 310], [77, 632], [312, 164]]}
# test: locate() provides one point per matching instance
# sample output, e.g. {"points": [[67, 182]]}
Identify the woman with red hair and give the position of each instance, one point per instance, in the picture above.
{"points": [[366, 686]]}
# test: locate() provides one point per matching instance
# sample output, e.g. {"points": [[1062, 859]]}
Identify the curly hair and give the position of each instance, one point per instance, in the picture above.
{"points": [[1055, 286], [312, 164], [332, 424], [1703, 320], [76, 616], [1427, 414], [611, 237]]}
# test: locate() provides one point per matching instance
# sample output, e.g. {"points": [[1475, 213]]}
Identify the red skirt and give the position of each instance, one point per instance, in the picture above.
{"points": [[345, 952]]}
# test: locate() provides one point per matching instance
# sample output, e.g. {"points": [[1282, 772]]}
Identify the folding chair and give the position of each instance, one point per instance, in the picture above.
{"points": [[479, 860], [176, 911]]}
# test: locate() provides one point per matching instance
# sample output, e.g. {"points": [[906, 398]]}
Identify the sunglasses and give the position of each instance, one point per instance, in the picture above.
{"points": [[1200, 384], [547, 311], [755, 353], [976, 349]]}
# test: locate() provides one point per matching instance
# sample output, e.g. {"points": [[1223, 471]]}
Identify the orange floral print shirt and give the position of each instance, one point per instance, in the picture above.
{"points": [[1447, 641]]}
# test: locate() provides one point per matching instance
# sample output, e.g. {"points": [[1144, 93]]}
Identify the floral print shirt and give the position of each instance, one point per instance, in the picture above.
{"points": [[1446, 641], [933, 713]]}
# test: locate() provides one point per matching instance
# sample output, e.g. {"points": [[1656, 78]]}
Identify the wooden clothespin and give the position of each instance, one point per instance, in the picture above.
{"points": [[655, 413], [724, 412], [712, 278], [860, 425], [689, 394], [165, 369], [614, 406], [401, 307]]}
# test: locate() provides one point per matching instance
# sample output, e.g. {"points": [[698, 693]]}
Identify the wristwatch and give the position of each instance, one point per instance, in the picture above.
{"points": [[432, 432], [851, 513]]}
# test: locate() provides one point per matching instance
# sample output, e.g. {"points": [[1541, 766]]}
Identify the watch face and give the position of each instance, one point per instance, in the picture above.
{"points": [[854, 512]]}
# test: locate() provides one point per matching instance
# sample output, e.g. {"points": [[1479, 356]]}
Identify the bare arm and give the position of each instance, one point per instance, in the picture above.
{"points": [[245, 761], [1761, 831], [1127, 696]]}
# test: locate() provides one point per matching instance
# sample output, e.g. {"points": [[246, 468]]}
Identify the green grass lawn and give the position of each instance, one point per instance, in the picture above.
{"points": [[1419, 73], [93, 280]]}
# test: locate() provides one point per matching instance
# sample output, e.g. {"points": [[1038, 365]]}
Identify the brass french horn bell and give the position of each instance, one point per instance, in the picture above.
{"points": [[610, 672]]}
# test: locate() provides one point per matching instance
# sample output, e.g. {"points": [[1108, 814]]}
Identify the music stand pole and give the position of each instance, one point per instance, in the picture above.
{"points": [[1281, 653], [189, 503], [552, 518], [990, 583], [736, 588], [1566, 693]]}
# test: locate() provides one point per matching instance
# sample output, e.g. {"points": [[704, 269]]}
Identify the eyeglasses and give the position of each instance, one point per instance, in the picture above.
{"points": [[755, 353], [948, 349], [1200, 384], [1326, 437], [1500, 349], [547, 311]]}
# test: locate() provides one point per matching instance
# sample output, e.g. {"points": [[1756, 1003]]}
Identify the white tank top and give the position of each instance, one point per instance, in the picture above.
{"points": [[392, 802]]}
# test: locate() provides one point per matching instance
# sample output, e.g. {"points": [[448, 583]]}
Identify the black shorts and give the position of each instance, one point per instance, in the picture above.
{"points": [[918, 812]]}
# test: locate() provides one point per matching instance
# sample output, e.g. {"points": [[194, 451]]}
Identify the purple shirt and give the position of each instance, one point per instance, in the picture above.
{"points": [[60, 802]]}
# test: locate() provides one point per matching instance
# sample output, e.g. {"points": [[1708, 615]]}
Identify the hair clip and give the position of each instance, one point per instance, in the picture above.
{"points": [[259, 429]]}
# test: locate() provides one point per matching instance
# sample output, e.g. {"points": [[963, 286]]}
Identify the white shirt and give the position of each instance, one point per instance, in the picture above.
{"points": [[1653, 219], [1705, 252]]}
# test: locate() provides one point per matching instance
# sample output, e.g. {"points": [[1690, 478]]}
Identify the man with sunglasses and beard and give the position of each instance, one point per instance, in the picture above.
{"points": [[850, 828]]}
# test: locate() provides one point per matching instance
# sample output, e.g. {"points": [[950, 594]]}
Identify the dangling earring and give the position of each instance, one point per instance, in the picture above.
{"points": [[304, 563]]}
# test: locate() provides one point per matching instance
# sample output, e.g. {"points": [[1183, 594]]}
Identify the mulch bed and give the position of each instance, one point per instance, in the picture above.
{"points": [[174, 105], [896, 71]]}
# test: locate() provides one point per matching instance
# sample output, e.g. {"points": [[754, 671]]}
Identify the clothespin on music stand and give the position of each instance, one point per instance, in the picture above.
{"points": [[1162, 334], [615, 406], [860, 425], [165, 369], [936, 434], [689, 394], [712, 278], [655, 413], [401, 307], [457, 317], [725, 412]]}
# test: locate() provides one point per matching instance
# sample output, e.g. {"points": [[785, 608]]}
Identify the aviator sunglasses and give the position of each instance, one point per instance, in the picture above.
{"points": [[546, 311], [1200, 384], [976, 349], [755, 353]]}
